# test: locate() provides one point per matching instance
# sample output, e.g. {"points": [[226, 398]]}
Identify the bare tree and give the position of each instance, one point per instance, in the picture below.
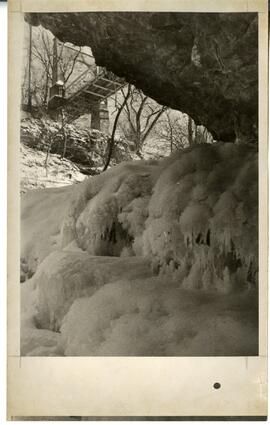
{"points": [[43, 60], [180, 131], [190, 131], [46, 60], [119, 108], [202, 135], [29, 69], [140, 115], [172, 129]]}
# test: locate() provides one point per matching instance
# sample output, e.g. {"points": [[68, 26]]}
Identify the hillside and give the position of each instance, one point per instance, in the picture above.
{"points": [[35, 175], [84, 155]]}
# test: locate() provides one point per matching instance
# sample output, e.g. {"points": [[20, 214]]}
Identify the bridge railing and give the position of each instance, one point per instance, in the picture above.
{"points": [[80, 81], [89, 75]]}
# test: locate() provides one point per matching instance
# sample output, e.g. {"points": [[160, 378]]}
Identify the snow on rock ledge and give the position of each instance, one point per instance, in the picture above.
{"points": [[192, 216]]}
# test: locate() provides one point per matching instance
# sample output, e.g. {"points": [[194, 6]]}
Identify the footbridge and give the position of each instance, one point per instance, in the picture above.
{"points": [[86, 92]]}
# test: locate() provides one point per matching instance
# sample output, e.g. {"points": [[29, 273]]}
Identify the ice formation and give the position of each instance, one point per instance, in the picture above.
{"points": [[148, 258]]}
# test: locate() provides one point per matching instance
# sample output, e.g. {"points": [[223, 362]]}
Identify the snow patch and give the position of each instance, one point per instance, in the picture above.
{"points": [[35, 174]]}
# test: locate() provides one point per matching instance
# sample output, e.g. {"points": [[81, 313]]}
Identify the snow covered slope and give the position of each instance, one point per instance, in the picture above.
{"points": [[58, 172], [148, 258]]}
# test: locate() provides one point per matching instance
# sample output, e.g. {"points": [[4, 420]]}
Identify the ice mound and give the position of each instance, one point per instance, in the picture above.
{"points": [[65, 276], [148, 318], [192, 216], [35, 340], [203, 218], [92, 216]]}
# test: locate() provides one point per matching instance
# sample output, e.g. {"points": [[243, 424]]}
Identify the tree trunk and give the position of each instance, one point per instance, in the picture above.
{"points": [[190, 132], [111, 141], [64, 134], [171, 137], [29, 70]]}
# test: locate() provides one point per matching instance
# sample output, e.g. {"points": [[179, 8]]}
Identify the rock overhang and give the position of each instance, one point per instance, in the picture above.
{"points": [[203, 64]]}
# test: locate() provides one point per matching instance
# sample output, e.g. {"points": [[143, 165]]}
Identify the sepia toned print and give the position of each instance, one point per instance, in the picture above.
{"points": [[155, 252], [142, 254]]}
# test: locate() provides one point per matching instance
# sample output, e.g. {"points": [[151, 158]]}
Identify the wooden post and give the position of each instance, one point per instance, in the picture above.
{"points": [[55, 63], [104, 117], [95, 116]]}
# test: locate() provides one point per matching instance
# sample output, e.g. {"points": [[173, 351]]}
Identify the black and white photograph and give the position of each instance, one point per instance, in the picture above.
{"points": [[139, 184]]}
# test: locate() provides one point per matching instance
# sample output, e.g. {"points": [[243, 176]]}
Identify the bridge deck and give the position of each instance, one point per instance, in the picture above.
{"points": [[86, 91]]}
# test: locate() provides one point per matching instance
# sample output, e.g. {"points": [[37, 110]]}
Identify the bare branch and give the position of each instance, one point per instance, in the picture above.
{"points": [[153, 123], [72, 66]]}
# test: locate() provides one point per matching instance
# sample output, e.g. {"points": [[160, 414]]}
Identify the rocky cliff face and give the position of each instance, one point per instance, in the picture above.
{"points": [[205, 65]]}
